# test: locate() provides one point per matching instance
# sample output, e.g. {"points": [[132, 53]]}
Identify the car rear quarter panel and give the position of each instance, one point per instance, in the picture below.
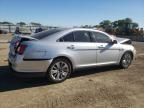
{"points": [[49, 50]]}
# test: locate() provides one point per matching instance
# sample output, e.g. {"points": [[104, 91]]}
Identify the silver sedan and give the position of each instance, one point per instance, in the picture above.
{"points": [[56, 53]]}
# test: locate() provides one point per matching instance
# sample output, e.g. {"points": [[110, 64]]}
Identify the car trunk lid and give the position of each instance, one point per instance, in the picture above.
{"points": [[17, 41]]}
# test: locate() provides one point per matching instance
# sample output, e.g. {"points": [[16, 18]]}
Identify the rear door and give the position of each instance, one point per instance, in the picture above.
{"points": [[82, 48], [85, 48]]}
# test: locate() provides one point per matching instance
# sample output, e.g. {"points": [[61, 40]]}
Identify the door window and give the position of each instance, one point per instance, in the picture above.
{"points": [[67, 38], [101, 38], [82, 36]]}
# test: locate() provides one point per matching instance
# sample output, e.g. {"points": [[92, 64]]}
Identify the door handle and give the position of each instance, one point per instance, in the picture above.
{"points": [[71, 47], [101, 46]]}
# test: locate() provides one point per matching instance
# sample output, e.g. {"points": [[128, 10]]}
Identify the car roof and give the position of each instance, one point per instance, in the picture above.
{"points": [[83, 29], [64, 31]]}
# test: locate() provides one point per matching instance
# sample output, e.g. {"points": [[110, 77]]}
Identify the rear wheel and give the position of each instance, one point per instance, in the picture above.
{"points": [[59, 70], [126, 60], [10, 67]]}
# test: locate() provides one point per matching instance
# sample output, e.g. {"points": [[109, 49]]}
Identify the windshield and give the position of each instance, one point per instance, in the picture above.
{"points": [[45, 34]]}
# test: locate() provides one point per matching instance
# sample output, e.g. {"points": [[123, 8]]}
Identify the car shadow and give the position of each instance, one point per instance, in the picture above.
{"points": [[9, 82]]}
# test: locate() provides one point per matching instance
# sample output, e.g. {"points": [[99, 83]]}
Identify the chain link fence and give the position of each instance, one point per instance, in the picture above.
{"points": [[24, 29]]}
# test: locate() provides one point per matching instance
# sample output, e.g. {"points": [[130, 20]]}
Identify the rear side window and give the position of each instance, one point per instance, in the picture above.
{"points": [[45, 34], [82, 36], [67, 38]]}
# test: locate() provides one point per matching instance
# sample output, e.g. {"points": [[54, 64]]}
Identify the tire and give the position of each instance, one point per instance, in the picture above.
{"points": [[59, 70], [126, 60], [10, 67]]}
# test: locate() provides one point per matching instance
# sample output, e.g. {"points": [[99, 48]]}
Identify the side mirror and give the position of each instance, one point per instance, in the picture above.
{"points": [[114, 42]]}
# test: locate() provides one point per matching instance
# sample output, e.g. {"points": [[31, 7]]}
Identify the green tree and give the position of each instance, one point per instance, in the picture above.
{"points": [[21, 23], [122, 26], [135, 25], [125, 26], [96, 26], [6, 22], [105, 24], [128, 20]]}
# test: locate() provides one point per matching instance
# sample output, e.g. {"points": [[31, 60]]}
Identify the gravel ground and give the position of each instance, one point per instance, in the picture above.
{"points": [[101, 87]]}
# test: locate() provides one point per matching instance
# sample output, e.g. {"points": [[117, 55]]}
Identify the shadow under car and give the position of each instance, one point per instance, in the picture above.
{"points": [[9, 82]]}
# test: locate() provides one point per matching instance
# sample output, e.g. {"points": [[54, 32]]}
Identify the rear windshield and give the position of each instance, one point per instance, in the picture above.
{"points": [[45, 34]]}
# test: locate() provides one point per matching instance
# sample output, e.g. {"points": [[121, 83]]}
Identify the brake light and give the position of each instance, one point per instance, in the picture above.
{"points": [[21, 49], [16, 44]]}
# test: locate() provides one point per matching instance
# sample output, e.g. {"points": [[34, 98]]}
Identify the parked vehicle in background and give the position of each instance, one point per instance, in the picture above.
{"points": [[3, 32], [58, 52], [38, 30], [22, 31]]}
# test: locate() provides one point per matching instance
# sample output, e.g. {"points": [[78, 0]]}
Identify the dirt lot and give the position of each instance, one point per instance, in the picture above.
{"points": [[106, 87]]}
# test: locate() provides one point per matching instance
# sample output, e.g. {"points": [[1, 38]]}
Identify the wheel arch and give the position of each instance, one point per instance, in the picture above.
{"points": [[121, 59], [129, 51], [67, 58]]}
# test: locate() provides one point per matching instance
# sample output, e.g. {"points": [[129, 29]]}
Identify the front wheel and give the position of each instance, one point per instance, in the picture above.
{"points": [[59, 70], [126, 60]]}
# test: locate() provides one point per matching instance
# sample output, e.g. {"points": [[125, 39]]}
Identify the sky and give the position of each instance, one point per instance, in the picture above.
{"points": [[69, 13]]}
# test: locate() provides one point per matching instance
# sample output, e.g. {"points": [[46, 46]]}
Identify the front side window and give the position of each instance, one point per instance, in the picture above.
{"points": [[82, 36], [101, 38]]}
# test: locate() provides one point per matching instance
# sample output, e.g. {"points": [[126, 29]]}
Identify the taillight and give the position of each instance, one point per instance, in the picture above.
{"points": [[21, 49], [16, 44]]}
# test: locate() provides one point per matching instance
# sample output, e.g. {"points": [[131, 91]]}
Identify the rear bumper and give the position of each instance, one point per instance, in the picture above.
{"points": [[26, 74], [134, 55], [29, 67]]}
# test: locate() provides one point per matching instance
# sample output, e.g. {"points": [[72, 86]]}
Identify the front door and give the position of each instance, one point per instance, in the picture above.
{"points": [[107, 53]]}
